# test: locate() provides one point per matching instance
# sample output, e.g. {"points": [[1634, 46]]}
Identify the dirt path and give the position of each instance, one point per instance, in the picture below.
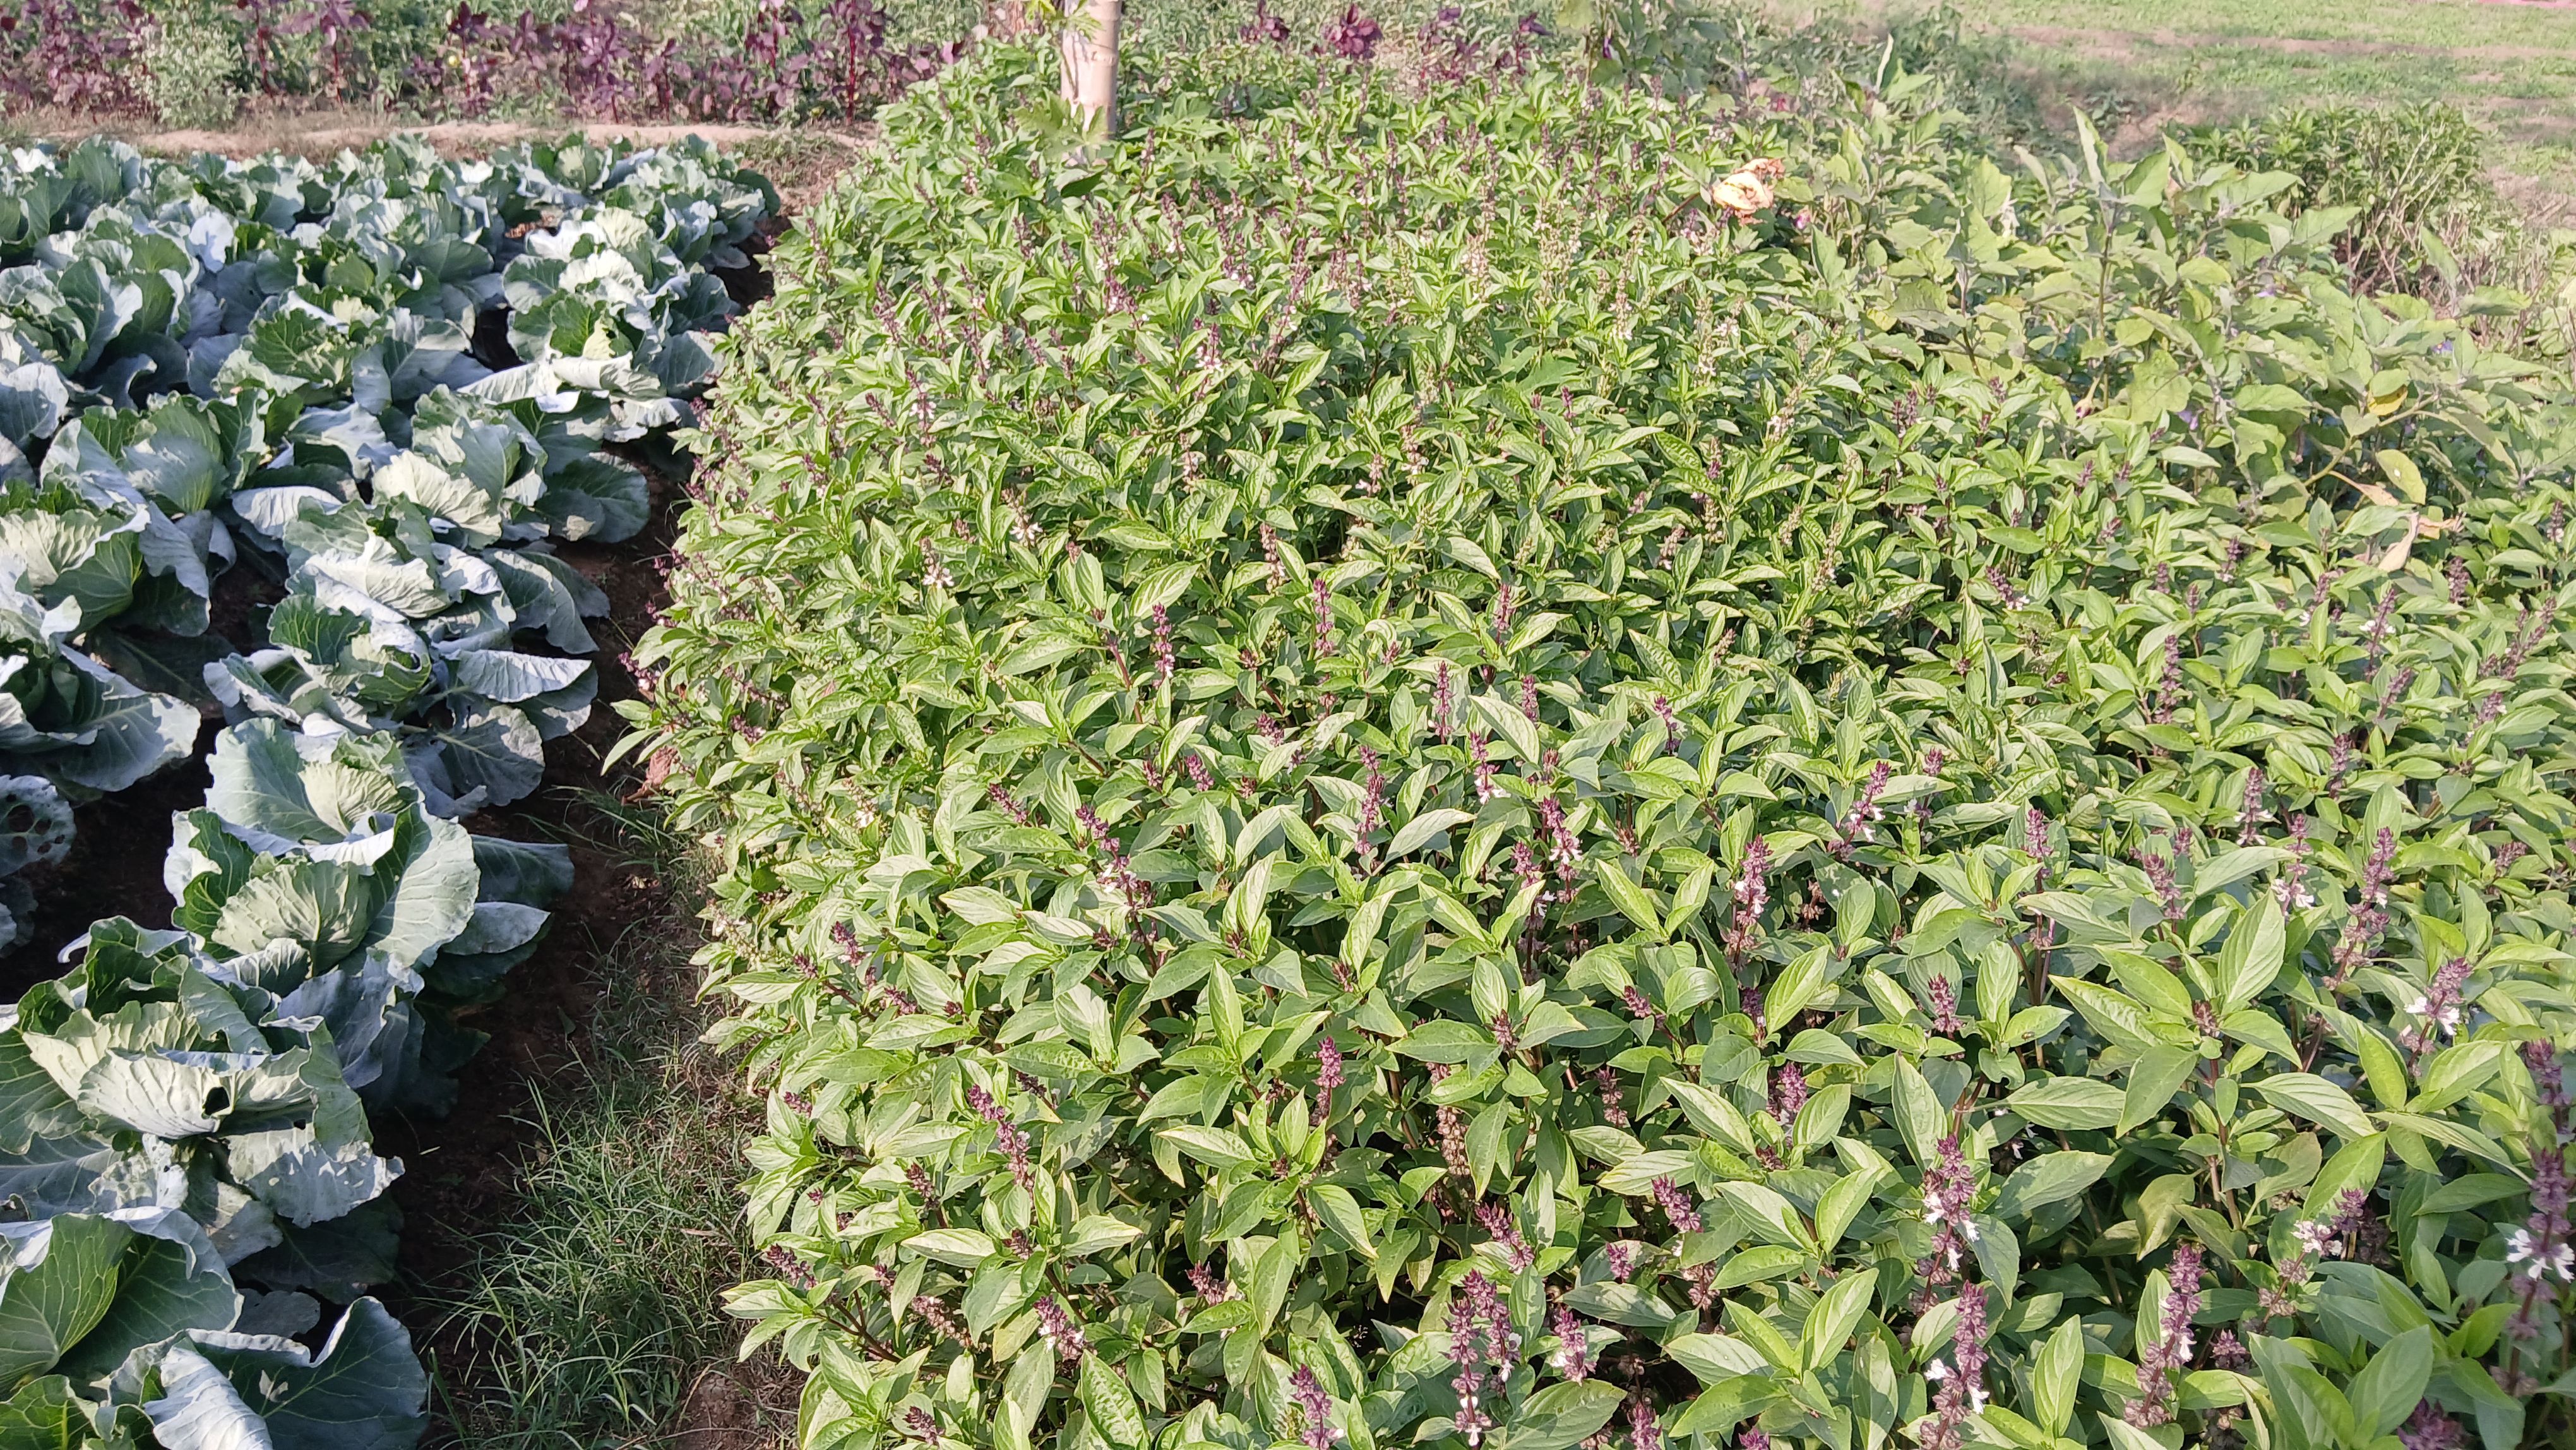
{"points": [[321, 134], [452, 138]]}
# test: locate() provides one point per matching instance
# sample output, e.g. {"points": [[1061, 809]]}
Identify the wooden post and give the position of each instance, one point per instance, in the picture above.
{"points": [[1091, 65]]}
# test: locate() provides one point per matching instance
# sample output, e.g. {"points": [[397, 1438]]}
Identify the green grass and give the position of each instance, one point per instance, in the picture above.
{"points": [[2152, 63], [588, 1318]]}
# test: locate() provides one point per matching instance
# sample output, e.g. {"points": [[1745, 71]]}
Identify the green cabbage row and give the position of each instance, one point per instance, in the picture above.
{"points": [[275, 366], [1387, 781]]}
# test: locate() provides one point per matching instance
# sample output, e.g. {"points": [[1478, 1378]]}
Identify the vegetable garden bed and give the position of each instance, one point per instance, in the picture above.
{"points": [[403, 397], [1427, 769]]}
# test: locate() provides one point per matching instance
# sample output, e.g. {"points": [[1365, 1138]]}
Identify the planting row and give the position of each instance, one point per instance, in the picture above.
{"points": [[382, 389], [1541, 767]]}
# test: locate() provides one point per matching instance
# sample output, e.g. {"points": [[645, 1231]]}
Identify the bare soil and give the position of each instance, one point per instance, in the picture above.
{"points": [[319, 134]]}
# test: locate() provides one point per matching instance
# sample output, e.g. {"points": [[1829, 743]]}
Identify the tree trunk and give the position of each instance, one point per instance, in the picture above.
{"points": [[1091, 66]]}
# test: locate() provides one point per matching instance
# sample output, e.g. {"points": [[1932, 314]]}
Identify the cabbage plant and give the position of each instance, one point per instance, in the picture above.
{"points": [[70, 719], [317, 872]]}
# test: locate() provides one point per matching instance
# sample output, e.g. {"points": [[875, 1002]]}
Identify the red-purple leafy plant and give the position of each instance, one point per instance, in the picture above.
{"points": [[334, 21], [80, 57], [1352, 36]]}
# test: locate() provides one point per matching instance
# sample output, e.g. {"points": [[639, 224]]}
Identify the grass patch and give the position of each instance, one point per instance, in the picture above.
{"points": [[2148, 64], [588, 1317]]}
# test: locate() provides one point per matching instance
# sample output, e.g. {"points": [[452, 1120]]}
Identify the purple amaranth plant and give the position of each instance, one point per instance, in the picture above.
{"points": [[855, 31], [258, 22], [1945, 1007], [78, 56], [1622, 1257], [334, 21], [1266, 28]]}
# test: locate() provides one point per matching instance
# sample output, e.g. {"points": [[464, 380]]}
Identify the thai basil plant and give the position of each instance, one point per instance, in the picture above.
{"points": [[1538, 767]]}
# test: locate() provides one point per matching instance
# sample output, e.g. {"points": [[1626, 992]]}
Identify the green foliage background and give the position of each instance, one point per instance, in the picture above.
{"points": [[1363, 755]]}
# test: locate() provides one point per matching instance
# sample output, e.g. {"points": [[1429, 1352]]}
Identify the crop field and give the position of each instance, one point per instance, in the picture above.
{"points": [[1654, 730]]}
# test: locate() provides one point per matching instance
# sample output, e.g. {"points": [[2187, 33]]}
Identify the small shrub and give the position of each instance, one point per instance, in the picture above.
{"points": [[2405, 170], [190, 70]]}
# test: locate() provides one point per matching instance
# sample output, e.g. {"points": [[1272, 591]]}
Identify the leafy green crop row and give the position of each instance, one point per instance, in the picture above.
{"points": [[225, 354], [291, 369], [1385, 782]]}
